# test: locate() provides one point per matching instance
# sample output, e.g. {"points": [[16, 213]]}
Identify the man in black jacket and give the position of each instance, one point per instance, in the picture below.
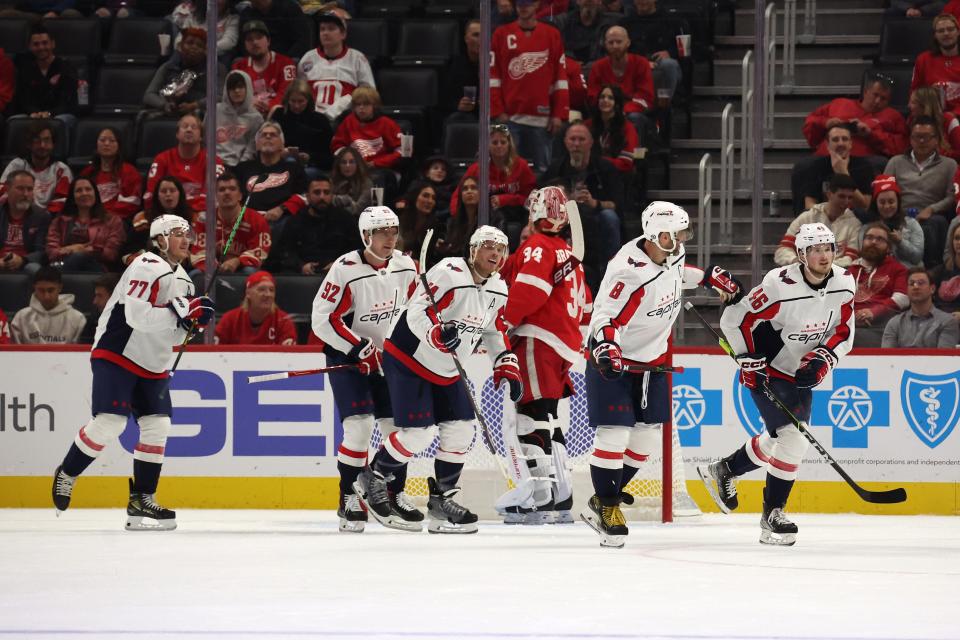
{"points": [[46, 84]]}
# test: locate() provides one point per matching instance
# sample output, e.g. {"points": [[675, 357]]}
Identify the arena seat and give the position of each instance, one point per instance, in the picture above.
{"points": [[371, 37], [85, 134], [134, 41], [15, 291], [119, 89], [13, 35], [427, 42], [902, 40]]}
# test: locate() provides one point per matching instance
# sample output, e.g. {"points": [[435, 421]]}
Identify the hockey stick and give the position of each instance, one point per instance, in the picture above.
{"points": [[641, 368], [487, 436], [283, 375], [891, 496]]}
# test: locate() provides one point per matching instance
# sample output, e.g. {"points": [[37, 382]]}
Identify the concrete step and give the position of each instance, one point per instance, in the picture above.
{"points": [[830, 21], [776, 176], [847, 41], [834, 4], [791, 151], [821, 71], [736, 47], [785, 125], [826, 93], [784, 103]]}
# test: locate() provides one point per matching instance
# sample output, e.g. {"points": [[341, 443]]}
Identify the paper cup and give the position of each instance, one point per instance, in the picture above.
{"points": [[406, 145], [164, 39], [683, 45], [377, 194]]}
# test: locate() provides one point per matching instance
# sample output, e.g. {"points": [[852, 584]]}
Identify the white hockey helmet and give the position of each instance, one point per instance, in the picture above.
{"points": [[547, 204], [484, 234], [665, 217], [811, 235], [164, 225], [373, 218]]}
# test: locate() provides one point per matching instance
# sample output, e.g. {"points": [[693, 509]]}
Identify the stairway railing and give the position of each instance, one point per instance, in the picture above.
{"points": [[746, 117], [728, 147], [770, 70], [809, 22], [705, 207], [789, 45]]}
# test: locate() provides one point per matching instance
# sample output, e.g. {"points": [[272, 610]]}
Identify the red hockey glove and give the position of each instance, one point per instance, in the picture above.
{"points": [[192, 312], [753, 369], [723, 282], [367, 355], [608, 360], [445, 337], [506, 368], [815, 366]]}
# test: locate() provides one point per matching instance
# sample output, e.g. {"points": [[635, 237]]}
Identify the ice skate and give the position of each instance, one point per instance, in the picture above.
{"points": [[371, 488], [447, 516], [721, 484], [62, 490], [404, 515], [604, 516], [684, 506], [563, 511], [144, 514], [353, 517], [776, 528]]}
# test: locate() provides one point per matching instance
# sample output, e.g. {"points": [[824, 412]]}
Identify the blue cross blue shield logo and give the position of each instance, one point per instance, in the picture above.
{"points": [[851, 407], [746, 409], [931, 404], [694, 407]]}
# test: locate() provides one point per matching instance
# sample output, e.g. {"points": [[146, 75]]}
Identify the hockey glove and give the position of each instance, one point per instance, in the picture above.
{"points": [[815, 366], [192, 312], [723, 282], [367, 355], [445, 337], [753, 369], [608, 360], [506, 368]]}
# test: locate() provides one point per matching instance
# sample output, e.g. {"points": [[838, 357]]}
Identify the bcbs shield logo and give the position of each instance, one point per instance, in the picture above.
{"points": [[746, 409], [694, 407], [931, 404]]}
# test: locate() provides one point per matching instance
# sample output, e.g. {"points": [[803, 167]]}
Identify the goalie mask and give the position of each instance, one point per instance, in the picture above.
{"points": [[165, 225], [547, 204], [812, 235], [373, 218], [490, 236], [665, 217]]}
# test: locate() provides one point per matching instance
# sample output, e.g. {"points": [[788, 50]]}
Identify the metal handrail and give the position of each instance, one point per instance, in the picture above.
{"points": [[746, 117], [809, 32], [770, 68], [789, 44], [727, 161], [705, 205]]}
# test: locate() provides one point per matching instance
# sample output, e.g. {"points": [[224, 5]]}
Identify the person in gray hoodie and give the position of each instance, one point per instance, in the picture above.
{"points": [[237, 120], [50, 318]]}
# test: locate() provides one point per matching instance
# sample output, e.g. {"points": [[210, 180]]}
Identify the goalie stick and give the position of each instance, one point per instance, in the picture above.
{"points": [[891, 496]]}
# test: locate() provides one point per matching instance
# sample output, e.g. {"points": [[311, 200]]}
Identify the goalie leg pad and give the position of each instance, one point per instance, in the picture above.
{"points": [[153, 438], [99, 432], [608, 447], [645, 440], [406, 442], [356, 440], [563, 489], [788, 450]]}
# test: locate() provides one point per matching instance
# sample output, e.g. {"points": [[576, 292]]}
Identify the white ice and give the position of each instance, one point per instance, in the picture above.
{"points": [[290, 574]]}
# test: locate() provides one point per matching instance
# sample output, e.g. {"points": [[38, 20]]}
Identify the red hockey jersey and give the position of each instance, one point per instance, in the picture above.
{"points": [[236, 328], [938, 71], [192, 174], [636, 82], [4, 328], [528, 78], [270, 84], [119, 192], [378, 141], [888, 129], [548, 296], [511, 188], [251, 244]]}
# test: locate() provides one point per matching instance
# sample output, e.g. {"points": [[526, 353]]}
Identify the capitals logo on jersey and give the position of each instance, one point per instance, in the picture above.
{"points": [[527, 63], [931, 404]]}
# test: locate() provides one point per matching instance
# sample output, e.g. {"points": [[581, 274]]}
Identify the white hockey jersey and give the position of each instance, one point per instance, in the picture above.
{"points": [[639, 300], [475, 308], [784, 318], [136, 330], [334, 79], [357, 300]]}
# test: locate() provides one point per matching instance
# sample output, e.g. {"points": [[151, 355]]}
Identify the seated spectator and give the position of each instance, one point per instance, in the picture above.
{"points": [[511, 181], [811, 175], [437, 173], [881, 285], [877, 129], [576, 87], [654, 35], [258, 320], [102, 290], [630, 72], [180, 84], [85, 237], [118, 182], [46, 83], [50, 318], [187, 162], [617, 137], [583, 29], [237, 120], [948, 282], [8, 80], [374, 135], [23, 225], [52, 178], [418, 214], [925, 101], [277, 183], [270, 72], [351, 183], [289, 29], [460, 82], [4, 328], [905, 232], [320, 234], [915, 8], [168, 197], [836, 214], [926, 182], [453, 243], [922, 326], [251, 244], [301, 122], [193, 14], [940, 66], [334, 70]]}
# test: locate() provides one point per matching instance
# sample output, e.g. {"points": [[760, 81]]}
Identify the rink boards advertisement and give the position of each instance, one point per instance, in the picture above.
{"points": [[888, 419]]}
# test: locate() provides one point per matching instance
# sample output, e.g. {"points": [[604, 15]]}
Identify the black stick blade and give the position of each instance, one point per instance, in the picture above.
{"points": [[892, 496]]}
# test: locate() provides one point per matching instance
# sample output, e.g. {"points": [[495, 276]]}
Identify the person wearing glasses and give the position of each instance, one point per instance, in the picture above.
{"points": [[940, 66], [922, 325], [881, 285]]}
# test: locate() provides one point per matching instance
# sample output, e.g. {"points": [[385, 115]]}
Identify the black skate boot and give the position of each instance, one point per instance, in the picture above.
{"points": [[371, 488], [405, 513], [446, 516], [725, 491], [604, 516], [62, 490], [776, 528], [143, 506], [353, 517]]}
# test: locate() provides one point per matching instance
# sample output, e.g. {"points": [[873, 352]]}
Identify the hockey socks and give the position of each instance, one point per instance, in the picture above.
{"points": [[146, 476], [776, 492], [740, 462], [606, 482], [448, 473], [348, 475], [629, 471], [76, 461]]}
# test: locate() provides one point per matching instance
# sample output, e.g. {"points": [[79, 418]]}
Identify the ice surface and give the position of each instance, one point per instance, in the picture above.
{"points": [[291, 574]]}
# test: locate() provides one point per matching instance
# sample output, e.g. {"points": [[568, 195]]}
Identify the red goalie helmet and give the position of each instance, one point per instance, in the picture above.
{"points": [[547, 204]]}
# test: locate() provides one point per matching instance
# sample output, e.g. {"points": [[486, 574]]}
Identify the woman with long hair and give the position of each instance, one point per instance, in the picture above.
{"points": [[926, 101], [84, 237], [118, 182], [948, 284], [351, 183], [418, 214], [616, 136], [906, 236], [459, 228], [300, 121], [168, 197]]}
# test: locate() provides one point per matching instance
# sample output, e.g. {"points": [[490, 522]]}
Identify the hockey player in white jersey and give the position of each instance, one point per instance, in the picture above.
{"points": [[426, 393], [151, 310], [360, 296], [633, 314], [789, 333]]}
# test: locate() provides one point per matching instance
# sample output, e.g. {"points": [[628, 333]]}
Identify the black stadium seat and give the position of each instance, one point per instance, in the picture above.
{"points": [[119, 89], [460, 142], [85, 135], [134, 41], [431, 42], [902, 40], [387, 9], [16, 143], [13, 35], [155, 136], [408, 87], [75, 37], [15, 291], [371, 38]]}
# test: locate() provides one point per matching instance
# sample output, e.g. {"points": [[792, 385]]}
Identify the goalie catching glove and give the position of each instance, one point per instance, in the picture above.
{"points": [[445, 337], [506, 368], [367, 356], [723, 282], [608, 360], [192, 312], [815, 366]]}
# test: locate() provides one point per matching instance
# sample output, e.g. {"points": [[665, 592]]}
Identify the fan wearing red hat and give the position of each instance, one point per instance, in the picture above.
{"points": [[258, 320], [906, 235]]}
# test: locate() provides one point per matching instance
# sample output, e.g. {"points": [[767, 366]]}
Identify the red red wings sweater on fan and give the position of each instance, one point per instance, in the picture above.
{"points": [[270, 84], [888, 130], [378, 140], [938, 71], [511, 188], [120, 193], [636, 82], [235, 327], [528, 79], [192, 174], [251, 244]]}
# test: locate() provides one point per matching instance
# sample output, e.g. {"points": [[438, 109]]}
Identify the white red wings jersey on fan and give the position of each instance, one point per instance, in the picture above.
{"points": [[136, 329], [639, 301], [528, 77], [548, 295], [784, 318], [357, 300], [476, 309], [334, 79]]}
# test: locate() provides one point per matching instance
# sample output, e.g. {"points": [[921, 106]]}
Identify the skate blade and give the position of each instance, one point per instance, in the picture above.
{"points": [[445, 526], [563, 517], [352, 526], [777, 539], [711, 488], [362, 495], [537, 518], [606, 540], [513, 518], [143, 523]]}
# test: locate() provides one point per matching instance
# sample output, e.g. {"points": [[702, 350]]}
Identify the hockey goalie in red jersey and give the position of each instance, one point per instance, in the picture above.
{"points": [[548, 301]]}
